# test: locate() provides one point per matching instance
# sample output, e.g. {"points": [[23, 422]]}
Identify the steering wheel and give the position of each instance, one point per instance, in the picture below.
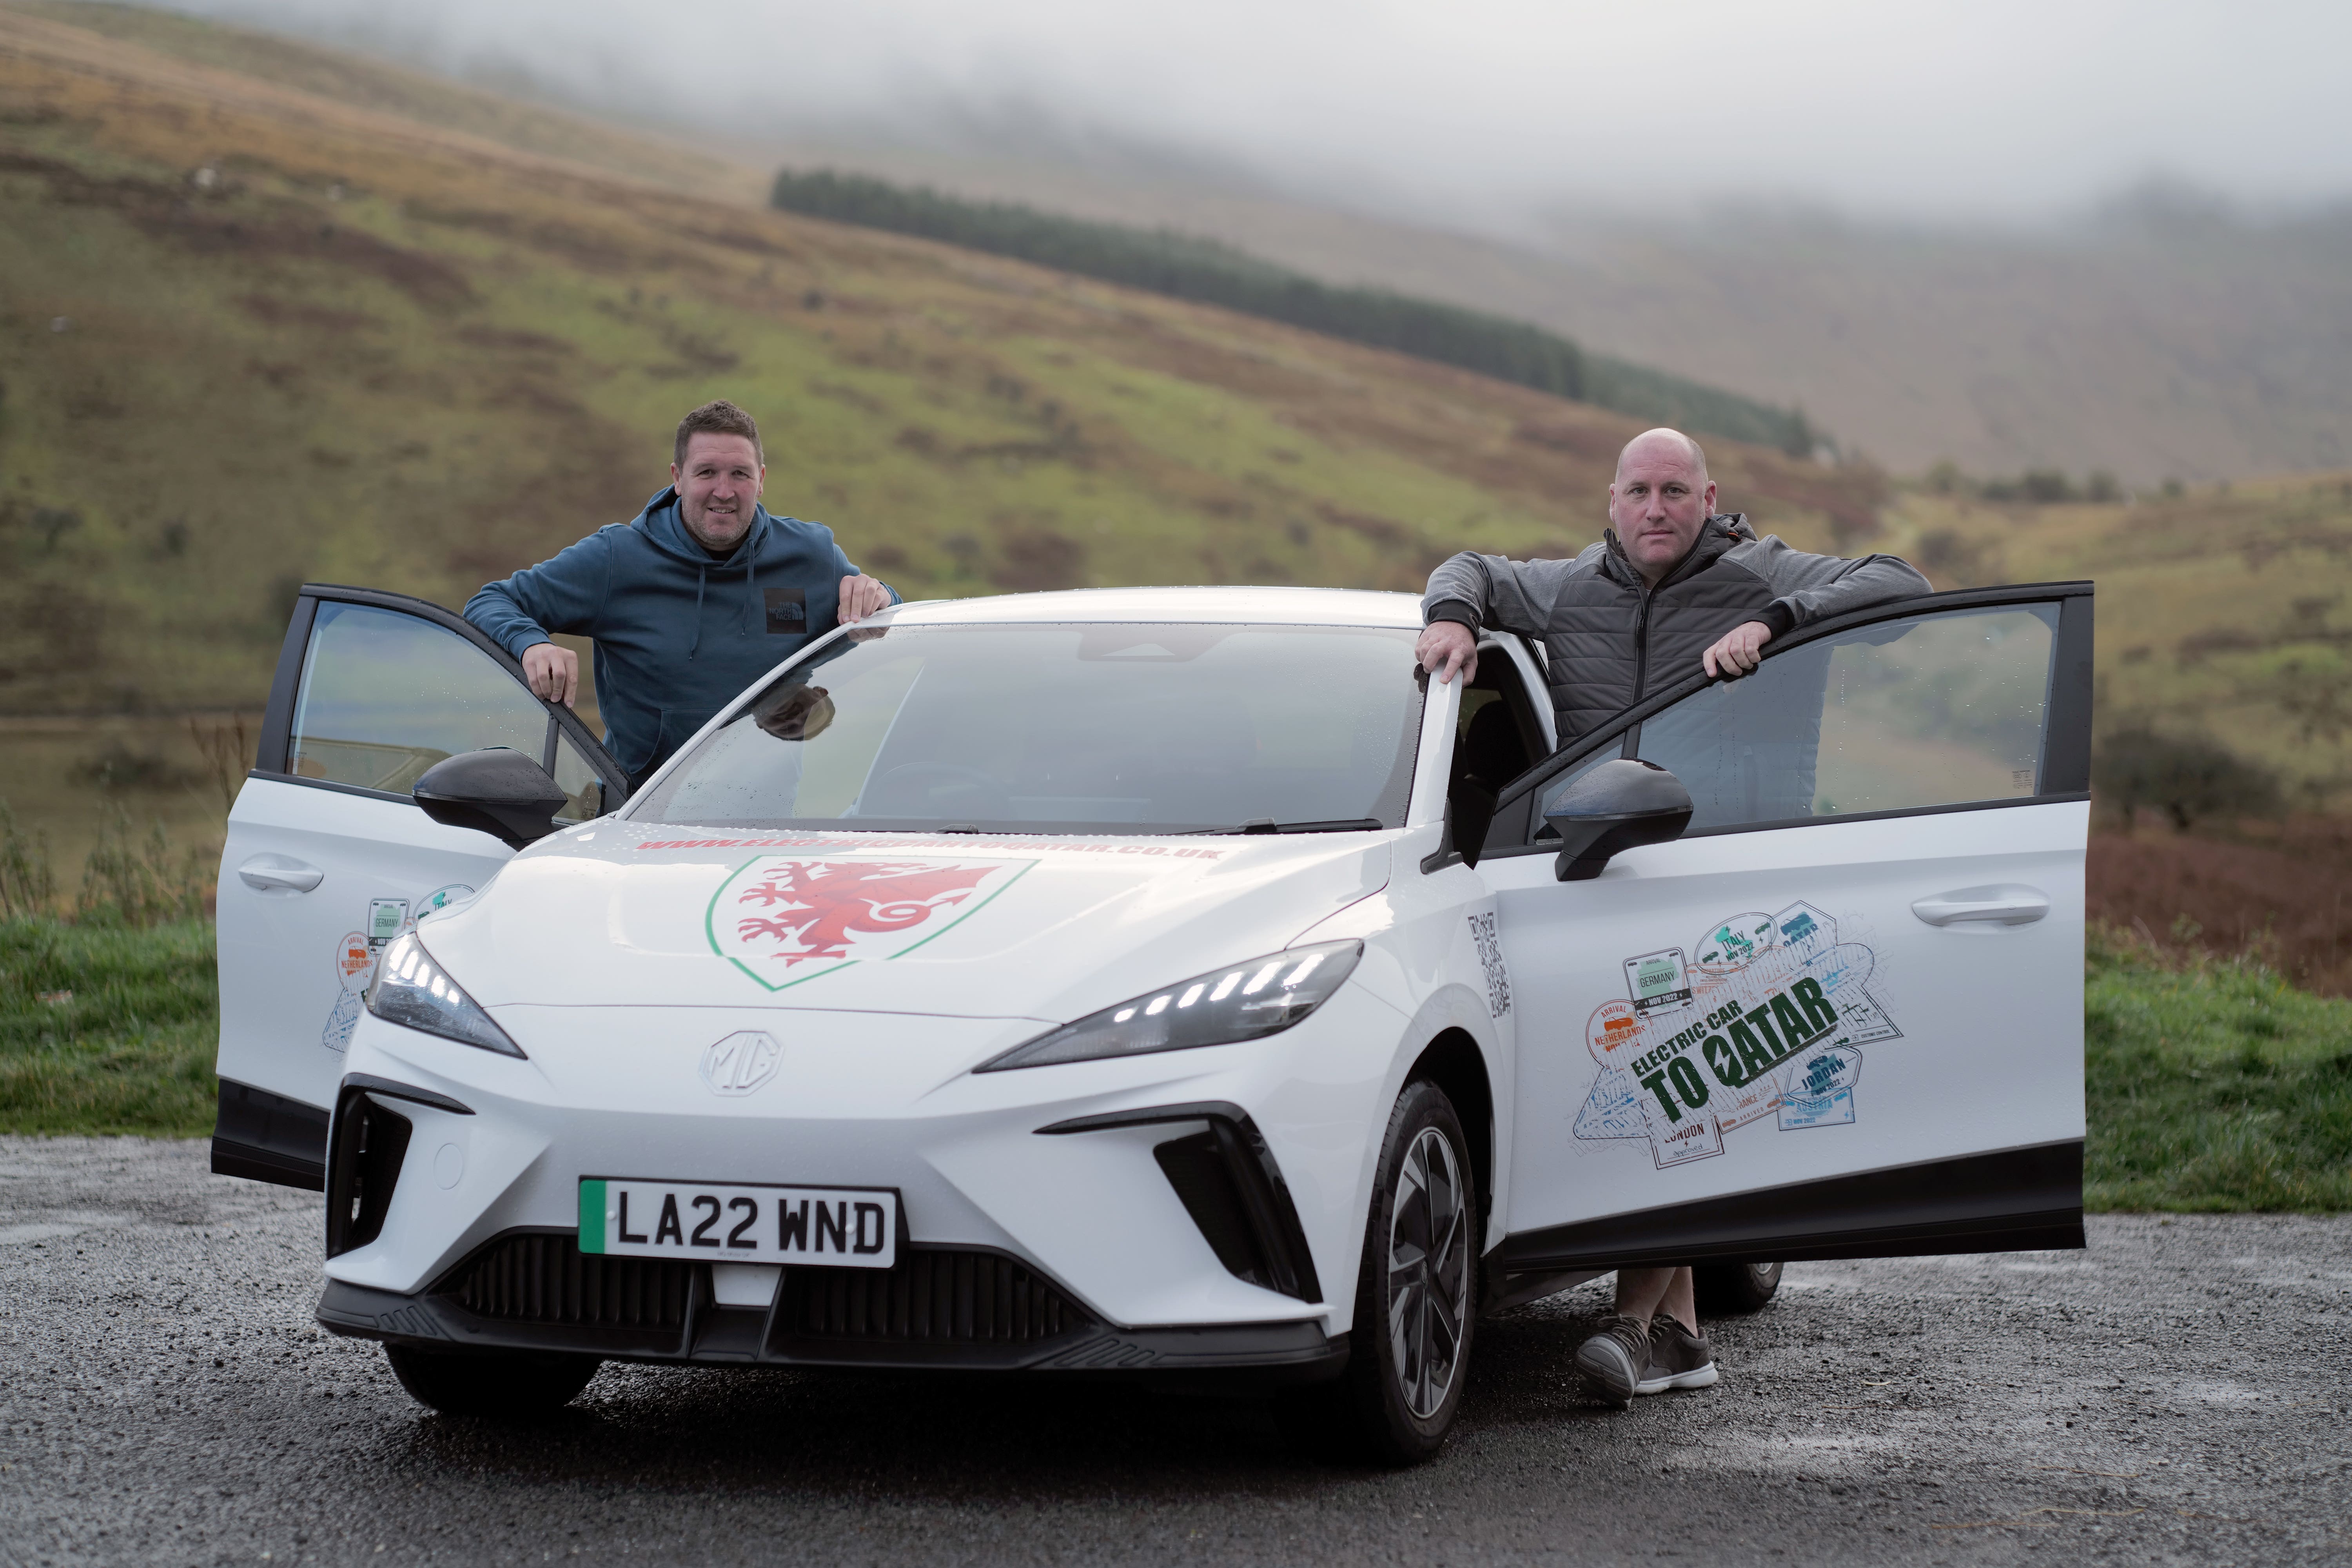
{"points": [[918, 784]]}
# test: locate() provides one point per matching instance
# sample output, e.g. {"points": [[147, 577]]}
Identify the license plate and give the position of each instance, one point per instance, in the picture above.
{"points": [[832, 1227]]}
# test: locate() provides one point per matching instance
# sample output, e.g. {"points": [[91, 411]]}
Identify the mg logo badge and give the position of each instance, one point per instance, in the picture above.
{"points": [[742, 1062]]}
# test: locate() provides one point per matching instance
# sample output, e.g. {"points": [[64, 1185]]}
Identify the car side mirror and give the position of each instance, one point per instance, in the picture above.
{"points": [[1619, 805], [497, 791]]}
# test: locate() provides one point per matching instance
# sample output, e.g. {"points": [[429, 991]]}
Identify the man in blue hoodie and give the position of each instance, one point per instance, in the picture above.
{"points": [[699, 596]]}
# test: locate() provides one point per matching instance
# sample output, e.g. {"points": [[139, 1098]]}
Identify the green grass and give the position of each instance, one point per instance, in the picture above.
{"points": [[124, 1040], [2214, 1086]]}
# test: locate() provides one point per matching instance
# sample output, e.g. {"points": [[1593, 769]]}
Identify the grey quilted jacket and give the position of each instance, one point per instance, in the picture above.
{"points": [[1609, 637]]}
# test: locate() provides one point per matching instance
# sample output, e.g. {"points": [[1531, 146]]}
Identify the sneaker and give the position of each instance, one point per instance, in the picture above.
{"points": [[1616, 1357], [1678, 1358]]}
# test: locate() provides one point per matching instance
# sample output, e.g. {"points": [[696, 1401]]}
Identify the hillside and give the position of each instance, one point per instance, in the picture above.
{"points": [[2222, 609], [2155, 341], [2164, 337], [1185, 268], [256, 334], [260, 321]]}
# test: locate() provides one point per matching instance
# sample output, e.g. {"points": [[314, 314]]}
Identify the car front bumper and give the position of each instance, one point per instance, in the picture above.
{"points": [[940, 1309], [1087, 1228]]}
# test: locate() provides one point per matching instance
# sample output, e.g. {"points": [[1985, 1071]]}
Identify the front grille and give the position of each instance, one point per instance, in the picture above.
{"points": [[934, 1295], [548, 1279], [931, 1296]]}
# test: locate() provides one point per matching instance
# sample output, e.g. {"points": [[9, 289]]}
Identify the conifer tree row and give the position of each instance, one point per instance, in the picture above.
{"points": [[1165, 262]]}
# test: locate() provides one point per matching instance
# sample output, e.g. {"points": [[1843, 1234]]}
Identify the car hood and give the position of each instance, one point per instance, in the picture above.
{"points": [[962, 925]]}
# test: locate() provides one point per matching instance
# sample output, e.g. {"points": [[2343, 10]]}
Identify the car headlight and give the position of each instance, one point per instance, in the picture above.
{"points": [[1243, 1002], [412, 990]]}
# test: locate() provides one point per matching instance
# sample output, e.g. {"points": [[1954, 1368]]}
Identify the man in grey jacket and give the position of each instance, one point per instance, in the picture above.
{"points": [[1672, 585]]}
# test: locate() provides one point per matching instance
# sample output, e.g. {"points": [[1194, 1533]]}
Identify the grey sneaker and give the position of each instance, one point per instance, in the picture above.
{"points": [[1616, 1357], [1678, 1358]]}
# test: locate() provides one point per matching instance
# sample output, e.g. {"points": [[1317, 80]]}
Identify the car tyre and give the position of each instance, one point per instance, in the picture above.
{"points": [[1416, 1298], [1726, 1289], [501, 1383]]}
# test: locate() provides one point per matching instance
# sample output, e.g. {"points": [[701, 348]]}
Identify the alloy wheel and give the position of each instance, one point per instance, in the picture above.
{"points": [[1429, 1271]]}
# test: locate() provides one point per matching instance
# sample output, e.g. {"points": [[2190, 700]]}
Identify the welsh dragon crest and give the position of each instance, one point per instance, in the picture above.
{"points": [[775, 917]]}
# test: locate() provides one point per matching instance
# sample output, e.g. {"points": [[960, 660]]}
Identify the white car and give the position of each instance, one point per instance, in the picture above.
{"points": [[1147, 981]]}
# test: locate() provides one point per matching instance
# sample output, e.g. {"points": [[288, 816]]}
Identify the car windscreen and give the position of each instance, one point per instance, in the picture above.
{"points": [[1134, 728]]}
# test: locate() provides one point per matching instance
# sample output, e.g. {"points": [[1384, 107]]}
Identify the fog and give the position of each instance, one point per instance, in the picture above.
{"points": [[1468, 112]]}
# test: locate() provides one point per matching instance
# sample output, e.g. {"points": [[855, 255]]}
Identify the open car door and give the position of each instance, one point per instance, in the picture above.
{"points": [[1841, 1015], [329, 857]]}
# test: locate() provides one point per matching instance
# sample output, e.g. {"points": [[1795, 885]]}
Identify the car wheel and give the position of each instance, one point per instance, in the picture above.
{"points": [[493, 1383], [1726, 1289], [1415, 1313]]}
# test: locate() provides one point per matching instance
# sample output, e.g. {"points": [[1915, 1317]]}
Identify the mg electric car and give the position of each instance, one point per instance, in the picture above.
{"points": [[1147, 981]]}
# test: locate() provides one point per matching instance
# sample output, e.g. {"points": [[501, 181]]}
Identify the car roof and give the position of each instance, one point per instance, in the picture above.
{"points": [[1264, 606]]}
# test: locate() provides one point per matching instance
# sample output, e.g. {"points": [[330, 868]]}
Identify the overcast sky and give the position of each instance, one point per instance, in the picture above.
{"points": [[1938, 109]]}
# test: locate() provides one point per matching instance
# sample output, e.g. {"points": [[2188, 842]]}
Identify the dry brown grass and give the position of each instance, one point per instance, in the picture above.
{"points": [[2275, 890]]}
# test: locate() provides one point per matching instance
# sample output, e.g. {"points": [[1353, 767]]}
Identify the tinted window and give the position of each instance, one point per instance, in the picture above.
{"points": [[1945, 709], [384, 696], [1135, 726]]}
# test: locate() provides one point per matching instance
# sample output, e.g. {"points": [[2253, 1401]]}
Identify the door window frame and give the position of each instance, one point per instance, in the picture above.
{"points": [[2066, 774], [272, 757]]}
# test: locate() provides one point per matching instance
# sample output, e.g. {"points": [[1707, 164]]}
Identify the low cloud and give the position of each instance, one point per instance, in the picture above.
{"points": [[1467, 111]]}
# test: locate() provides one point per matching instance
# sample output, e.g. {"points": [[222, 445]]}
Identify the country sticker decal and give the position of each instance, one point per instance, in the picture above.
{"points": [[786, 920], [1767, 1019], [354, 967]]}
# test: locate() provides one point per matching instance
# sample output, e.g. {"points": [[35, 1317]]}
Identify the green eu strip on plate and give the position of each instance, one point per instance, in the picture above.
{"points": [[592, 1217]]}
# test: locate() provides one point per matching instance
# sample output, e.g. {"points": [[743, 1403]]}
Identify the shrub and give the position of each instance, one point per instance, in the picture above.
{"points": [[2189, 778]]}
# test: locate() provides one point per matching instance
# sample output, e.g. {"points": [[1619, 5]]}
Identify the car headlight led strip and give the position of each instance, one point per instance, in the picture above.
{"points": [[1243, 1002], [414, 991]]}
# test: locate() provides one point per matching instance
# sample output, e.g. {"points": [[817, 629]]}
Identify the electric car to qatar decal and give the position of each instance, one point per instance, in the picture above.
{"points": [[783, 921], [1765, 1017]]}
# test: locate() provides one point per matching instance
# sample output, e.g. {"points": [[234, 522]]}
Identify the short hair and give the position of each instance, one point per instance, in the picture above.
{"points": [[718, 417], [1697, 453]]}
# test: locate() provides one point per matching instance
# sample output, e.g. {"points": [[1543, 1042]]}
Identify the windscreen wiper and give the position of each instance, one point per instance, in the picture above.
{"points": [[1268, 824]]}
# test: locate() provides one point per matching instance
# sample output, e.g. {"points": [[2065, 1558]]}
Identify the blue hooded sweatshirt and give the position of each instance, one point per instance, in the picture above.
{"points": [[679, 634]]}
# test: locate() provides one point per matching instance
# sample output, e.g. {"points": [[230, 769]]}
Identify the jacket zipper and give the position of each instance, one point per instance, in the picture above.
{"points": [[1641, 639], [1641, 617]]}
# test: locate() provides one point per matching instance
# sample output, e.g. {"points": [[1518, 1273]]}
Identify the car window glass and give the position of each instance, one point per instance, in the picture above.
{"points": [[583, 791], [384, 696], [1490, 742], [1931, 710], [1151, 728]]}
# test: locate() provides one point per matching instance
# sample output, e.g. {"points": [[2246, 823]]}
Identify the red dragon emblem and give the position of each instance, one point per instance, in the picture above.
{"points": [[821, 904]]}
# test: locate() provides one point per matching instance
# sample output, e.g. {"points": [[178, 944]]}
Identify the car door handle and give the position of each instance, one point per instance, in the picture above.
{"points": [[275, 873], [2009, 904]]}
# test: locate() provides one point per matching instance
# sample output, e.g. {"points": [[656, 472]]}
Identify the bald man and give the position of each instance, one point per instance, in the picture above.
{"points": [[1671, 588]]}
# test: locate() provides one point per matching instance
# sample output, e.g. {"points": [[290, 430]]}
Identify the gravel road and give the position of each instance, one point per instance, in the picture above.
{"points": [[2177, 1393]]}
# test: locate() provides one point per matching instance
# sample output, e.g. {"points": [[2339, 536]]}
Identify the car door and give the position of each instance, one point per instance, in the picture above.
{"points": [[328, 857], [1841, 1015]]}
